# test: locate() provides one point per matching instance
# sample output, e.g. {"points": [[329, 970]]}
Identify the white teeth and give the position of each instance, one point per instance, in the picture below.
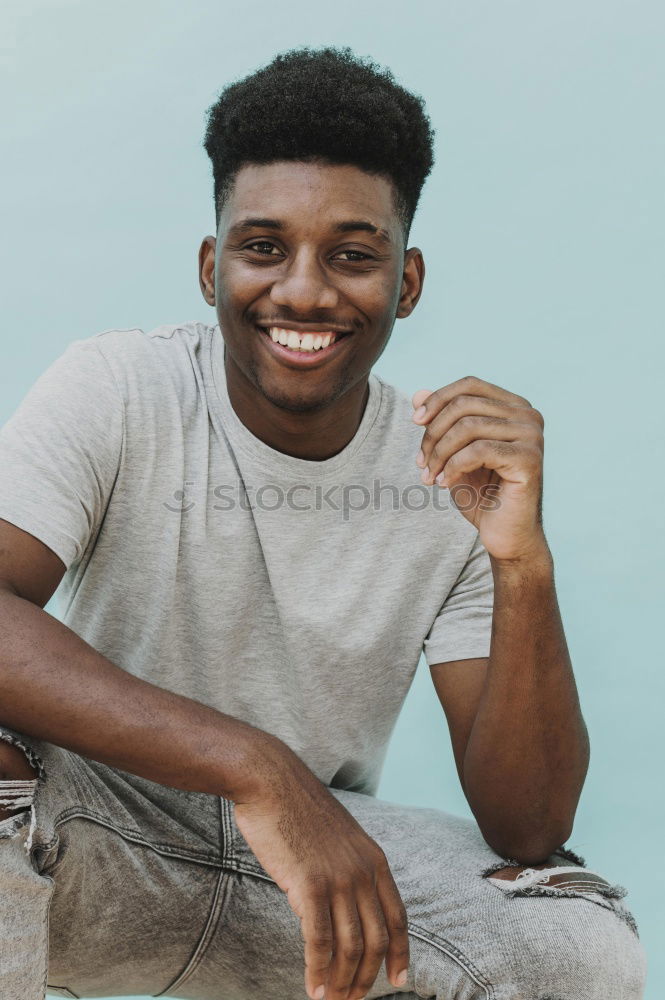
{"points": [[306, 342]]}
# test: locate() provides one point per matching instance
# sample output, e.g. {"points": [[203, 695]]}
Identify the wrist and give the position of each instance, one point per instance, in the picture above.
{"points": [[263, 767], [244, 759], [534, 560]]}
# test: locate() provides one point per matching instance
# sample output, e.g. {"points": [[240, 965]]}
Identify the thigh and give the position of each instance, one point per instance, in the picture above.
{"points": [[469, 938], [136, 868], [125, 918]]}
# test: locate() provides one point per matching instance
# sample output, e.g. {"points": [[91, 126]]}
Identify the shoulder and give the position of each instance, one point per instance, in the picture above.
{"points": [[142, 358], [159, 370]]}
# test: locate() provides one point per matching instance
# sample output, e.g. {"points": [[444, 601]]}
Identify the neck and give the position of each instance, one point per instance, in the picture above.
{"points": [[313, 434]]}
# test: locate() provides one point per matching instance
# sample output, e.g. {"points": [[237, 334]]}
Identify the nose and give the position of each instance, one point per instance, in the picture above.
{"points": [[304, 286]]}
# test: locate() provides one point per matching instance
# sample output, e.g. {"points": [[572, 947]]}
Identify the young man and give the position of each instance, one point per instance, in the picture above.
{"points": [[254, 553]]}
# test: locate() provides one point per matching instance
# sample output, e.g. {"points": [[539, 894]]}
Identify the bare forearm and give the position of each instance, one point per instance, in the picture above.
{"points": [[56, 687], [528, 752]]}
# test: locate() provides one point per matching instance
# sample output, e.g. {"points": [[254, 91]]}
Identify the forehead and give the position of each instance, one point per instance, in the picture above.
{"points": [[310, 195]]}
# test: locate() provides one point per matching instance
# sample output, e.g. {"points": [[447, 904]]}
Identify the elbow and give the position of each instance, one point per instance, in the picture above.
{"points": [[529, 850]]}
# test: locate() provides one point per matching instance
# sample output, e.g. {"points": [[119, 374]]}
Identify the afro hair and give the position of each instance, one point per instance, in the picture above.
{"points": [[322, 105]]}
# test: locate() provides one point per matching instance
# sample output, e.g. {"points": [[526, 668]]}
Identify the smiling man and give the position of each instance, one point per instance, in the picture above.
{"points": [[257, 538]]}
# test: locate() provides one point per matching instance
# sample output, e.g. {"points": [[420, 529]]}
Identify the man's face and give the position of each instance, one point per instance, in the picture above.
{"points": [[282, 259]]}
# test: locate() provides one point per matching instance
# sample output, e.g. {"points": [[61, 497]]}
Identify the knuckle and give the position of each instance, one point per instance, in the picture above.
{"points": [[362, 876], [320, 942], [344, 885], [352, 952], [381, 861], [378, 948], [399, 920], [316, 885]]}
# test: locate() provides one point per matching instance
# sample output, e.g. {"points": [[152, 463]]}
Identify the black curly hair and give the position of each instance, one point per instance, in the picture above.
{"points": [[326, 105]]}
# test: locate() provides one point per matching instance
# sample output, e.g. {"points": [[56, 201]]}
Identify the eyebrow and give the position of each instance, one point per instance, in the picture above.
{"points": [[348, 226]]}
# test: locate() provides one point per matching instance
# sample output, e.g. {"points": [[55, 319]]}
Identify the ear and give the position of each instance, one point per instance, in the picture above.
{"points": [[412, 282], [207, 269]]}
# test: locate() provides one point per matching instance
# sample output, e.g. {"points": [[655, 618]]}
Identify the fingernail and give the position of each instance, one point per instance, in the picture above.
{"points": [[420, 458], [425, 474], [441, 479], [318, 993], [420, 412], [401, 979]]}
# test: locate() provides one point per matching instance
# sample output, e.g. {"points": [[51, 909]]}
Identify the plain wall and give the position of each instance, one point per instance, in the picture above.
{"points": [[541, 226]]}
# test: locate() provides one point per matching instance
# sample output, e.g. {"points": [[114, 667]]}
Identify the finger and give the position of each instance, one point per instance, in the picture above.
{"points": [[470, 385], [463, 408], [348, 945], [515, 462], [472, 428], [419, 397], [376, 938], [317, 931], [394, 912]]}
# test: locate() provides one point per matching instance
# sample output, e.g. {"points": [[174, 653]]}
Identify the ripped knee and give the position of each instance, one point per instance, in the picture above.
{"points": [[551, 875], [550, 878]]}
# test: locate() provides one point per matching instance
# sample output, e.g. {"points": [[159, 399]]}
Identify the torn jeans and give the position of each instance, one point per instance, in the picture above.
{"points": [[111, 884]]}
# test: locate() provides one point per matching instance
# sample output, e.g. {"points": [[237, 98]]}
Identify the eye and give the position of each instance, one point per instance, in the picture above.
{"points": [[356, 255], [260, 243]]}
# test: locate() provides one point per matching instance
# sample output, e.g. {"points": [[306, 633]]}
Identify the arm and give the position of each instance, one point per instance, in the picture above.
{"points": [[519, 739], [56, 687], [520, 742]]}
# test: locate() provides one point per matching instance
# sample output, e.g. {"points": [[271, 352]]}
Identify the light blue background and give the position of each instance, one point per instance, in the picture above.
{"points": [[542, 228]]}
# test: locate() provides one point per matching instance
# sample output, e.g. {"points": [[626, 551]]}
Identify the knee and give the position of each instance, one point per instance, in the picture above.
{"points": [[567, 938], [566, 877]]}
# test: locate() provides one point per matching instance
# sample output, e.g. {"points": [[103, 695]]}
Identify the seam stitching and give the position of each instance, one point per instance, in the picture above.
{"points": [[133, 837], [456, 955], [219, 898]]}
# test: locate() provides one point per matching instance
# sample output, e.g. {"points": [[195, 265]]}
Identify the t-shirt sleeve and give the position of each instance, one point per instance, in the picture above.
{"points": [[462, 629], [60, 452]]}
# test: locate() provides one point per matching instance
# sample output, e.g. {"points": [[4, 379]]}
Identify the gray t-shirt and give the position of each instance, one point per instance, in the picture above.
{"points": [[294, 594]]}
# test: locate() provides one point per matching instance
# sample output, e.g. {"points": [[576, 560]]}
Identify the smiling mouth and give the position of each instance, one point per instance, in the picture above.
{"points": [[303, 343]]}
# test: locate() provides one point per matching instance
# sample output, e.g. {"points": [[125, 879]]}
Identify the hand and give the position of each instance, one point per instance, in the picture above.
{"points": [[486, 445], [336, 879]]}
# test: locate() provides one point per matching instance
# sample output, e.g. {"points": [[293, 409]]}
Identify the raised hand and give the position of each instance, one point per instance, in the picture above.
{"points": [[486, 446]]}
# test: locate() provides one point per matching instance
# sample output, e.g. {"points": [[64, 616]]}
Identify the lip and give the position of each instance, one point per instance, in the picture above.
{"points": [[302, 359], [305, 327]]}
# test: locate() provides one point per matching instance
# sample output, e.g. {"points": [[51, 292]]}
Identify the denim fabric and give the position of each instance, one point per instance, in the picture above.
{"points": [[130, 887]]}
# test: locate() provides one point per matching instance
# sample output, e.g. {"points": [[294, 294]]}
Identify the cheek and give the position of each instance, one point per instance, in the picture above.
{"points": [[238, 282], [375, 293]]}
